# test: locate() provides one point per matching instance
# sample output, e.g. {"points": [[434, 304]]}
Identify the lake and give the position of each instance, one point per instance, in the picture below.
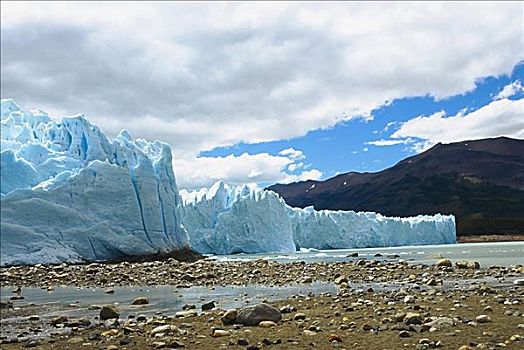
{"points": [[493, 253]]}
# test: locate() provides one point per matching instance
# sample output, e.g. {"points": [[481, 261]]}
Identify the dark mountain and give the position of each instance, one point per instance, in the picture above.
{"points": [[481, 182]]}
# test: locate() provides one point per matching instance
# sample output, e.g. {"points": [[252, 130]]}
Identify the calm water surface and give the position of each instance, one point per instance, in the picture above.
{"points": [[497, 253]]}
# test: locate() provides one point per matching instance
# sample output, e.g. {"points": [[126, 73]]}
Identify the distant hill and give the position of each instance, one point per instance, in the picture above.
{"points": [[481, 182]]}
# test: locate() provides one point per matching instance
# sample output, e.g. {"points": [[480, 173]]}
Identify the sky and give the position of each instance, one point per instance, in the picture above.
{"points": [[265, 92]]}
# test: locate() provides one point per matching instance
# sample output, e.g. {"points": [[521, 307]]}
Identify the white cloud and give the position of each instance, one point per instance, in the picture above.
{"points": [[205, 75], [498, 118], [262, 168], [386, 142], [292, 153], [313, 174], [510, 90]]}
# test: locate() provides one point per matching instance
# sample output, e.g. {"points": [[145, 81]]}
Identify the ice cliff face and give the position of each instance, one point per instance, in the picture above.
{"points": [[225, 220], [329, 229], [68, 193], [244, 219]]}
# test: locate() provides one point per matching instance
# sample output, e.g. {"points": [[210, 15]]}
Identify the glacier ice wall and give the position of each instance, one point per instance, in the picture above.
{"points": [[226, 220], [329, 229], [68, 193], [247, 219]]}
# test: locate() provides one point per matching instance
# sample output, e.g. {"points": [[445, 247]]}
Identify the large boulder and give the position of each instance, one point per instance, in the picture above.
{"points": [[252, 316]]}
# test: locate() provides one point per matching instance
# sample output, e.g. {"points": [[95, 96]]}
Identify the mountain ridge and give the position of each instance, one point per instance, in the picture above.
{"points": [[480, 181]]}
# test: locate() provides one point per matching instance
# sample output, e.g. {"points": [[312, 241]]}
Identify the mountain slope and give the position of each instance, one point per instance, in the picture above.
{"points": [[481, 182]]}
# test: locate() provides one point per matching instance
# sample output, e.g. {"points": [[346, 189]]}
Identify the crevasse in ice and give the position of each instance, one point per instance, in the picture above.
{"points": [[68, 193]]}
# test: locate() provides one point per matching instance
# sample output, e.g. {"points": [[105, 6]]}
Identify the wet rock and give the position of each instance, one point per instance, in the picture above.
{"points": [[352, 255], [208, 306], [251, 316], [229, 317], [444, 263], [108, 312], [519, 282], [189, 307], [109, 291], [33, 318], [140, 301]]}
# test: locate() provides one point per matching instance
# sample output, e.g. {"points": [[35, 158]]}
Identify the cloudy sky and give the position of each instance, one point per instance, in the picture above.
{"points": [[273, 92]]}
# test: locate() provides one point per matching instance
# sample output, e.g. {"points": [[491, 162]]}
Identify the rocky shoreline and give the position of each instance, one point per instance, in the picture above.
{"points": [[445, 305]]}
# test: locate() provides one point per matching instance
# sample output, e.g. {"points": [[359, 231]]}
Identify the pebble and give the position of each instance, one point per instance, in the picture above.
{"points": [[242, 341], [186, 313], [221, 333], [299, 316], [483, 319]]}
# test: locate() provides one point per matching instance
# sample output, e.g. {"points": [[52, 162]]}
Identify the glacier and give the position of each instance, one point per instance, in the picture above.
{"points": [[228, 219], [244, 219], [68, 193]]}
